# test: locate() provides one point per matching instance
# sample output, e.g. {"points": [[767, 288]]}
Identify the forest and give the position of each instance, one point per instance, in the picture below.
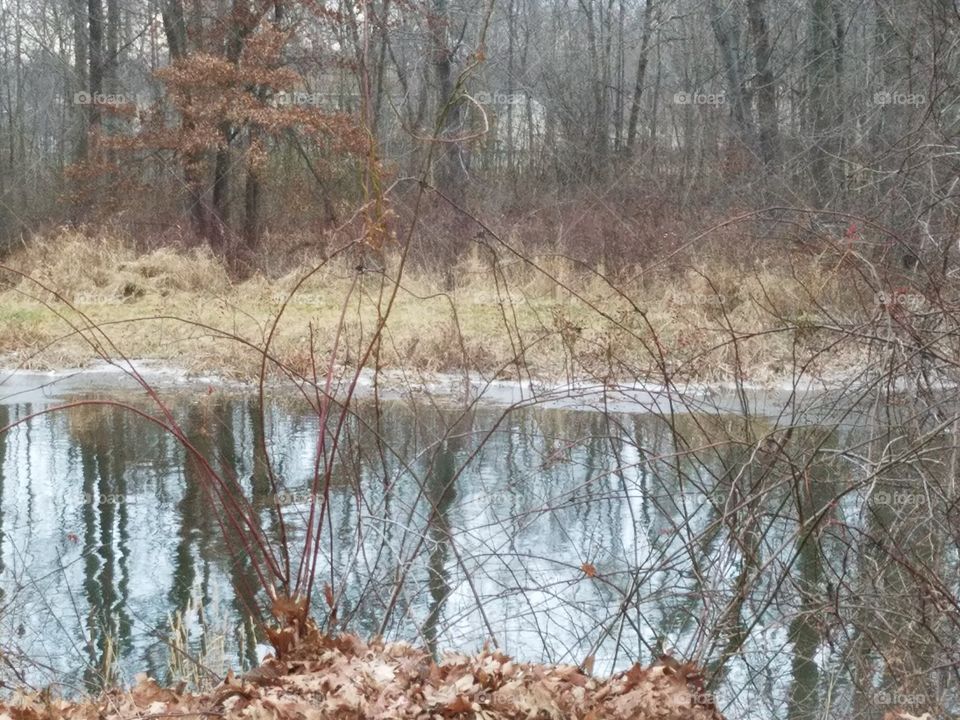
{"points": [[607, 131]]}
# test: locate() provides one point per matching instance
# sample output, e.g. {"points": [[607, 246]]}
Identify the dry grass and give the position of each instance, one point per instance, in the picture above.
{"points": [[566, 322]]}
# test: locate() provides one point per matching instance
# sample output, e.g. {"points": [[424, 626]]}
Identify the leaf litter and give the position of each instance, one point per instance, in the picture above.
{"points": [[346, 678]]}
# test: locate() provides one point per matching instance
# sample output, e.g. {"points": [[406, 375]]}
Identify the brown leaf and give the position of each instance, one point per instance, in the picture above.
{"points": [[460, 704], [589, 570], [634, 676], [147, 692]]}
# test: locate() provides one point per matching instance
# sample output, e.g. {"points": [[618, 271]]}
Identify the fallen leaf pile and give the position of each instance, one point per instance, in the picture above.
{"points": [[346, 678]]}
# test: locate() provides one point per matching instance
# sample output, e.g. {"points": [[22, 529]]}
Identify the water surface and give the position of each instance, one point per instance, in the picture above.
{"points": [[556, 533]]}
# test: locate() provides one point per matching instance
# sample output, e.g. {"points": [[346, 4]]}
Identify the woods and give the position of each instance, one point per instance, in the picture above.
{"points": [[232, 122]]}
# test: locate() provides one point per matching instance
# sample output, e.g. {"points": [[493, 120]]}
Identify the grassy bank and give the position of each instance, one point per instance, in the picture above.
{"points": [[541, 317]]}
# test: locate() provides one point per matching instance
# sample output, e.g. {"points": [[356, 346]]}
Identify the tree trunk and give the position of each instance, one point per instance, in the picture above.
{"points": [[595, 148], [728, 41], [510, 75], [603, 115], [450, 175], [175, 30], [112, 59], [766, 86], [80, 48], [251, 210], [174, 27], [221, 190], [95, 21], [241, 24], [619, 89], [821, 66], [641, 74]]}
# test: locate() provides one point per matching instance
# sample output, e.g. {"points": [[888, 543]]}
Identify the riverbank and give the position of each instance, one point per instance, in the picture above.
{"points": [[549, 321]]}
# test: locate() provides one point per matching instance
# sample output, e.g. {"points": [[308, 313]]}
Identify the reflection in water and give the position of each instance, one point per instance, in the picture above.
{"points": [[564, 534], [804, 629], [4, 419], [440, 496], [105, 545]]}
